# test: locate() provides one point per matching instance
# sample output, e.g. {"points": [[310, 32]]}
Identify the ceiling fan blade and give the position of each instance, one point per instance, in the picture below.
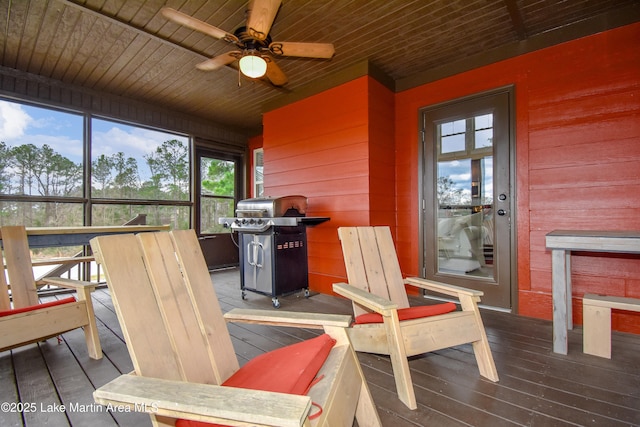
{"points": [[218, 61], [303, 50], [275, 74], [261, 16], [195, 24]]}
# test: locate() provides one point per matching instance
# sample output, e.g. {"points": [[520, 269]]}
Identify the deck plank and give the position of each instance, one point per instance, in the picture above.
{"points": [[9, 416], [36, 388], [536, 387]]}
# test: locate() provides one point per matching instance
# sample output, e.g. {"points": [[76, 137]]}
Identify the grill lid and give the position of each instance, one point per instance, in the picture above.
{"points": [[272, 207]]}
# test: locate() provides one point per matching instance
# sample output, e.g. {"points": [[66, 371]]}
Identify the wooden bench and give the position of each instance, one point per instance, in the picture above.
{"points": [[596, 319]]}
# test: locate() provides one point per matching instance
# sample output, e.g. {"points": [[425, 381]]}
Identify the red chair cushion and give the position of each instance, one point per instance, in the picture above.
{"points": [[409, 313], [289, 370], [37, 306]]}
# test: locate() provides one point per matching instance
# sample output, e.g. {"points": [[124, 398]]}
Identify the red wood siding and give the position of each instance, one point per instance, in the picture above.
{"points": [[577, 156], [382, 158], [335, 148], [577, 119]]}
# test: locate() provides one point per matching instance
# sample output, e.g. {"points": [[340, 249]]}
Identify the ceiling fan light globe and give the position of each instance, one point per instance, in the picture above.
{"points": [[253, 66]]}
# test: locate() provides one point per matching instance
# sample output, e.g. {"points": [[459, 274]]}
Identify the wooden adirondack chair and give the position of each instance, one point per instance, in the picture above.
{"points": [[182, 351], [384, 322], [28, 321]]}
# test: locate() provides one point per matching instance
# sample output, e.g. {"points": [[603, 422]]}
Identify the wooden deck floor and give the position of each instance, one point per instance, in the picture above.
{"points": [[536, 388]]}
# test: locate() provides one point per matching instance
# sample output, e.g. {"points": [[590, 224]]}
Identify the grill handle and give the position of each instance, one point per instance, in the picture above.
{"points": [[251, 213], [254, 250]]}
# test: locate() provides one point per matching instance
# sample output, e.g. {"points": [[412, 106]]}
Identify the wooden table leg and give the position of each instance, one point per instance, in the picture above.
{"points": [[559, 293], [568, 287]]}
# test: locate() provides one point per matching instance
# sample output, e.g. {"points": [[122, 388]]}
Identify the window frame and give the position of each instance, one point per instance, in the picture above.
{"points": [[256, 183], [86, 200], [238, 159]]}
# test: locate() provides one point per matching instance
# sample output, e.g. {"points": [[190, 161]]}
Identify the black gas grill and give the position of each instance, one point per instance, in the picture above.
{"points": [[273, 245]]}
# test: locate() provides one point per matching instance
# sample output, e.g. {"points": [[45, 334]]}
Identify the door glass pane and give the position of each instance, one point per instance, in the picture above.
{"points": [[217, 193], [452, 136], [465, 197], [483, 131]]}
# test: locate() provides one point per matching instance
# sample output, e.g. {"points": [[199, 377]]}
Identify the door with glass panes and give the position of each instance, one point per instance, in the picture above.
{"points": [[467, 198], [218, 185]]}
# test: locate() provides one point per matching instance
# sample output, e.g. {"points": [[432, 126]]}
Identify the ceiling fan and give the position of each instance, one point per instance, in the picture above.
{"points": [[256, 50]]}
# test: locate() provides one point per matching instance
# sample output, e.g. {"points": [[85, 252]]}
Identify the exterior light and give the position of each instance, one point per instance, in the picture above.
{"points": [[253, 66]]}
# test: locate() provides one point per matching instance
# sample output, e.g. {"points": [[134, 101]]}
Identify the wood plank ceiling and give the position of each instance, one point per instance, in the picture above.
{"points": [[127, 48]]}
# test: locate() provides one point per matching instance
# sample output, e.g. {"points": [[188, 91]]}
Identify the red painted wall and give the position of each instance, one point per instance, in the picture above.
{"points": [[338, 151], [577, 160], [577, 109]]}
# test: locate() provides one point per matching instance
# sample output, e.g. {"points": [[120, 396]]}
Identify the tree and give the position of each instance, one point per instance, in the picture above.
{"points": [[55, 174], [126, 179], [220, 179], [102, 172], [5, 173], [170, 161], [448, 193], [23, 159], [5, 181]]}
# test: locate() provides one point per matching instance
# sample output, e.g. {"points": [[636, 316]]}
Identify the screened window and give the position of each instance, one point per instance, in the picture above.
{"points": [[258, 172], [54, 173], [130, 163], [40, 151], [133, 170], [41, 166], [218, 180]]}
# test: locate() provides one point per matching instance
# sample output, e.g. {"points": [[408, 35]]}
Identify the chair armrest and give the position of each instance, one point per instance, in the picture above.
{"points": [[203, 402], [288, 318], [365, 299], [455, 291], [56, 261], [70, 283]]}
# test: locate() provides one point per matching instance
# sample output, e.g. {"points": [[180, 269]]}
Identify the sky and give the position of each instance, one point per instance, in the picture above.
{"points": [[460, 172], [24, 124], [453, 140]]}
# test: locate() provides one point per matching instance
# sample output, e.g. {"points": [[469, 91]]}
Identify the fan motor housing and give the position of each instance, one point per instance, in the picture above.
{"points": [[249, 42]]}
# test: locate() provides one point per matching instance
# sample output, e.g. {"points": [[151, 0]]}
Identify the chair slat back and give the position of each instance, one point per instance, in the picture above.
{"points": [[5, 302], [371, 263], [18, 265], [165, 333], [205, 302]]}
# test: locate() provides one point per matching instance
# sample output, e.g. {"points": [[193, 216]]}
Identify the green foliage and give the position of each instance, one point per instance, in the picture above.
{"points": [[170, 164], [41, 171], [5, 179], [220, 177]]}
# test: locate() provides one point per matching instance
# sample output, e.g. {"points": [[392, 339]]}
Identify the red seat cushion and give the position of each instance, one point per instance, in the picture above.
{"points": [[289, 370], [37, 306], [409, 313]]}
